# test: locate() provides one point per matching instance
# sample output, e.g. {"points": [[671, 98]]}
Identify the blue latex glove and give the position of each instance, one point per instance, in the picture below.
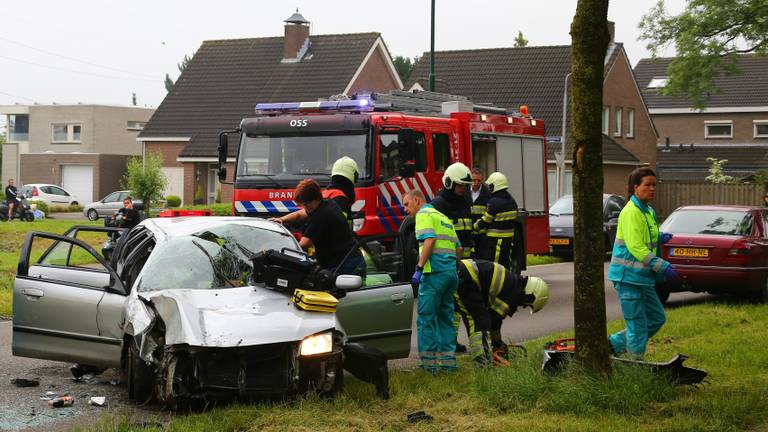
{"points": [[665, 238], [670, 273], [417, 275]]}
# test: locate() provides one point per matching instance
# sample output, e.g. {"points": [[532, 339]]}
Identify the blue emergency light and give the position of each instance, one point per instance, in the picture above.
{"points": [[361, 104]]}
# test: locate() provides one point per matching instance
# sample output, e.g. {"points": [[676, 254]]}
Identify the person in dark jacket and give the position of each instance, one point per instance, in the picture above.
{"points": [[341, 190], [478, 197], [497, 225], [451, 202], [487, 294], [11, 198]]}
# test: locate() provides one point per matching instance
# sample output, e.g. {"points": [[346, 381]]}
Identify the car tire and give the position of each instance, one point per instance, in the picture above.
{"points": [[139, 375], [93, 215], [73, 203], [29, 217], [663, 293]]}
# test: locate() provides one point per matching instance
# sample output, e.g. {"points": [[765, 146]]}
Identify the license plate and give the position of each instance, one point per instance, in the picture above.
{"points": [[559, 241], [689, 252]]}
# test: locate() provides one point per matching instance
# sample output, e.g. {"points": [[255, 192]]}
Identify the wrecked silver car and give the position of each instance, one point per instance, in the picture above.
{"points": [[191, 308]]}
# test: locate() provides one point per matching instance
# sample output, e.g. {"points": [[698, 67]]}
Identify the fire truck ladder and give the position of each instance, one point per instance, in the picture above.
{"points": [[425, 102]]}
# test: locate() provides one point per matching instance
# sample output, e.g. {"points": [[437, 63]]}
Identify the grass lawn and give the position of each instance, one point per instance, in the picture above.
{"points": [[724, 339], [533, 260], [12, 236]]}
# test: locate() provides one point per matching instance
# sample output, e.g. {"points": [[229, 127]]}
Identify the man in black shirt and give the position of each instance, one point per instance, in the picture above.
{"points": [[11, 198], [328, 231], [130, 216]]}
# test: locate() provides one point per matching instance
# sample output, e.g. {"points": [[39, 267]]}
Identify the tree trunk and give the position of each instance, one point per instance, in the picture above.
{"points": [[589, 35]]}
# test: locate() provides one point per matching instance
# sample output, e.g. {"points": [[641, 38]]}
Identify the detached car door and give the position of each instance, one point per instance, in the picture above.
{"points": [[380, 313], [60, 284]]}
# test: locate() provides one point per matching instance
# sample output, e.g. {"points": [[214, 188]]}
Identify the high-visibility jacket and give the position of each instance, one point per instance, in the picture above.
{"points": [[635, 257], [430, 223], [457, 209], [503, 291], [497, 225]]}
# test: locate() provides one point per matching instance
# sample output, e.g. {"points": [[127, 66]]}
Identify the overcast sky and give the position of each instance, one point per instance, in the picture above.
{"points": [[103, 51]]}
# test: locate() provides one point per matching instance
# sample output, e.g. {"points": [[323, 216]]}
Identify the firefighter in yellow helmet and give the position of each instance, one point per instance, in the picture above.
{"points": [[341, 190], [497, 225], [487, 294]]}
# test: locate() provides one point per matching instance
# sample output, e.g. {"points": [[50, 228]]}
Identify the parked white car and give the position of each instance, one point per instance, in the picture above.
{"points": [[49, 194]]}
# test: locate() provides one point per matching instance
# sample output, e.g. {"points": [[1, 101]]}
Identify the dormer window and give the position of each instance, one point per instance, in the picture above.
{"points": [[658, 82]]}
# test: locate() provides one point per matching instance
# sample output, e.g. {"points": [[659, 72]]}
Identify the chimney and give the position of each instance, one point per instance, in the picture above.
{"points": [[296, 37], [611, 31]]}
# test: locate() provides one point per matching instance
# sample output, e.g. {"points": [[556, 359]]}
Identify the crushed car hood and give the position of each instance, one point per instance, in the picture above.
{"points": [[233, 317]]}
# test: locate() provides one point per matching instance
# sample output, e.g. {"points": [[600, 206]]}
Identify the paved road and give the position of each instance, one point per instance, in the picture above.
{"points": [[21, 408]]}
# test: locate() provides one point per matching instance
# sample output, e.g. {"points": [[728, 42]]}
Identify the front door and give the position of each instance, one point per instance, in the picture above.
{"points": [[57, 293], [380, 313], [212, 185]]}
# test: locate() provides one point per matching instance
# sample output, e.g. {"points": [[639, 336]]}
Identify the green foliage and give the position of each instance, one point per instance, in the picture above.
{"points": [[404, 66], [716, 174], [520, 40], [173, 201], [533, 260], [65, 208], [218, 195], [168, 82], [708, 35], [144, 178], [760, 178], [217, 209]]}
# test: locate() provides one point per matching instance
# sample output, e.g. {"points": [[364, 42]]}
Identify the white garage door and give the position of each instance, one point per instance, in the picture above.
{"points": [[78, 180], [175, 181]]}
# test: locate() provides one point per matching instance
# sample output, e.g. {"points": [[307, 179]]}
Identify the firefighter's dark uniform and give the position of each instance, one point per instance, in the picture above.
{"points": [[497, 229], [342, 192], [487, 294], [477, 208], [457, 209]]}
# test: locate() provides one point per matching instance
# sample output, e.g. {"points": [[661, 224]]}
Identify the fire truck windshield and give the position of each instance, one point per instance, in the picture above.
{"points": [[299, 155]]}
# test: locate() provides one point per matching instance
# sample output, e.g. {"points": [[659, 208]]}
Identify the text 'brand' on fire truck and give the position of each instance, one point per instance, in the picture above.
{"points": [[400, 140]]}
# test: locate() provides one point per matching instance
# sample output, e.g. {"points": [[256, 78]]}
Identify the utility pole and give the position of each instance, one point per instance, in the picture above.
{"points": [[560, 157], [432, 51]]}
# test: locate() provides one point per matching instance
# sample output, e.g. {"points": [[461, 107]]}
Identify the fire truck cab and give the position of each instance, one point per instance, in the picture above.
{"points": [[400, 140]]}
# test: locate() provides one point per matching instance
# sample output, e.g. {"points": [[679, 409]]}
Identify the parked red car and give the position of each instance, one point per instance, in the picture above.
{"points": [[718, 249]]}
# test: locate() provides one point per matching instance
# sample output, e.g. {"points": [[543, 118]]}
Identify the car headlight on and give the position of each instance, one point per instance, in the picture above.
{"points": [[317, 344]]}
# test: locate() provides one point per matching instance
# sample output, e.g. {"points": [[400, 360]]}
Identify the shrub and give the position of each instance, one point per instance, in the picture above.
{"points": [[64, 208], [173, 201], [224, 209]]}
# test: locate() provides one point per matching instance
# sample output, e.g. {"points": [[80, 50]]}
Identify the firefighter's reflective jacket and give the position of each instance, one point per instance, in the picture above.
{"points": [[497, 228]]}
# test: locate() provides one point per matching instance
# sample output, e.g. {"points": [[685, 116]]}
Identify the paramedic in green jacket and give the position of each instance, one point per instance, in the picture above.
{"points": [[636, 267], [437, 281]]}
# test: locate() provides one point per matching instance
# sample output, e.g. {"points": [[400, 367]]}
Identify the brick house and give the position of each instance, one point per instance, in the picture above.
{"points": [[536, 77], [226, 78], [733, 124]]}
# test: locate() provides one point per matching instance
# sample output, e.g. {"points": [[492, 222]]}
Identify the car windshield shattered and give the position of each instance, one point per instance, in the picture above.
{"points": [[210, 259]]}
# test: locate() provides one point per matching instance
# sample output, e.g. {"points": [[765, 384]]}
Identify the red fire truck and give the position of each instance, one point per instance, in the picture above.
{"points": [[400, 140]]}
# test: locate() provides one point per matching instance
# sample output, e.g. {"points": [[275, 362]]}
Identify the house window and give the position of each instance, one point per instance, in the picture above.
{"points": [[136, 125], [606, 119], [658, 82], [718, 129], [760, 128], [18, 127], [630, 122], [617, 131], [65, 132]]}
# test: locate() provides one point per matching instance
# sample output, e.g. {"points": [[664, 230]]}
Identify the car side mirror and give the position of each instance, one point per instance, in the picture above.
{"points": [[348, 282], [223, 151], [613, 215]]}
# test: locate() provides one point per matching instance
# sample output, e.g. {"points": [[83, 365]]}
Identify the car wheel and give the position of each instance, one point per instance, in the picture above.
{"points": [[140, 376], [73, 203], [93, 215], [663, 293], [29, 217]]}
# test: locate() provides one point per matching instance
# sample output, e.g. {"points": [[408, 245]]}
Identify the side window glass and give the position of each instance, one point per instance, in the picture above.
{"points": [[442, 149], [111, 197], [121, 196], [421, 152], [65, 254], [388, 155], [383, 264], [46, 189]]}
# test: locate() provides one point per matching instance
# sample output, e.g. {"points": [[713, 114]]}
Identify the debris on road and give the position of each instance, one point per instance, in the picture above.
{"points": [[419, 416], [24, 382], [63, 401], [50, 395], [98, 401]]}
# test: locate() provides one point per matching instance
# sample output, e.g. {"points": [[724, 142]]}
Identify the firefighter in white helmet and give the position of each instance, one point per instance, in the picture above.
{"points": [[497, 225], [487, 294]]}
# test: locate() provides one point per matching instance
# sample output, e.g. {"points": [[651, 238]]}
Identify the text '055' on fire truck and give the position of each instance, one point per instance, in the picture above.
{"points": [[400, 140]]}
